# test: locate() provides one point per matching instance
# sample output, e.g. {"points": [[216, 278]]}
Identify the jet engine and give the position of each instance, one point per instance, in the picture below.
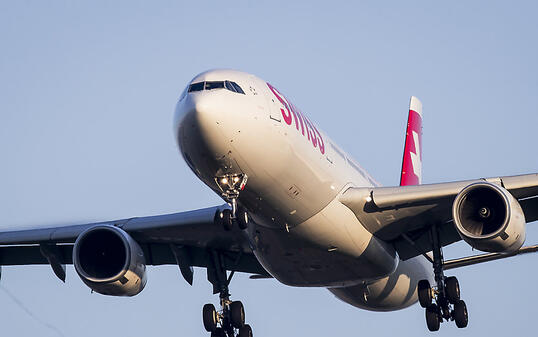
{"points": [[489, 218], [110, 261]]}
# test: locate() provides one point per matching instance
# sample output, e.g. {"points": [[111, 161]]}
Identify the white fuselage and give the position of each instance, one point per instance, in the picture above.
{"points": [[301, 233]]}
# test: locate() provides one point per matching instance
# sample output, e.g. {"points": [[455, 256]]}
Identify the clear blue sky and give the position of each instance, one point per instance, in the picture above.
{"points": [[87, 92]]}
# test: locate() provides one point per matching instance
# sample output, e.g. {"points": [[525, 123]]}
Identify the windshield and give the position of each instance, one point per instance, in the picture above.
{"points": [[211, 85]]}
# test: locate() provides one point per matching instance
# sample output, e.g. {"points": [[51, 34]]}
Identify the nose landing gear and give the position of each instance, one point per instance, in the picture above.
{"points": [[231, 185], [229, 321], [446, 295]]}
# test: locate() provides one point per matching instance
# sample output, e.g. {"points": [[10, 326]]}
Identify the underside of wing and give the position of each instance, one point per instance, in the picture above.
{"points": [[188, 239], [404, 215]]}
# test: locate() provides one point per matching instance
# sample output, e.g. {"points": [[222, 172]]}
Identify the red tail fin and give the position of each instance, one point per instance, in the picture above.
{"points": [[412, 156]]}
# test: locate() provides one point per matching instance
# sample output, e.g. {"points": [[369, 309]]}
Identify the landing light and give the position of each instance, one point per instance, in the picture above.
{"points": [[231, 184], [368, 198]]}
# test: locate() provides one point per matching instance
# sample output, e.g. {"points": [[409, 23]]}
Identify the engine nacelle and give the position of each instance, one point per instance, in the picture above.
{"points": [[489, 218], [110, 261]]}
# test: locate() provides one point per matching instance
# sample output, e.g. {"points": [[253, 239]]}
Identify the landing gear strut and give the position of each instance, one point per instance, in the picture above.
{"points": [[231, 185], [442, 302], [229, 321]]}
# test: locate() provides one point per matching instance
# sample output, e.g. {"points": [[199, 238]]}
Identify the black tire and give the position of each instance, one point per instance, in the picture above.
{"points": [[424, 291], [452, 288], [209, 316], [433, 320], [227, 221], [245, 331], [237, 314], [461, 316], [218, 218], [219, 332], [242, 218]]}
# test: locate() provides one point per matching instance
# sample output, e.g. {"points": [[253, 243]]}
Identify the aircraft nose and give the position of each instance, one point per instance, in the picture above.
{"points": [[204, 108], [199, 116], [202, 134], [198, 109]]}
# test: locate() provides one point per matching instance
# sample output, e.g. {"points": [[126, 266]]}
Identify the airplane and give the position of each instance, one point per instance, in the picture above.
{"points": [[297, 208]]}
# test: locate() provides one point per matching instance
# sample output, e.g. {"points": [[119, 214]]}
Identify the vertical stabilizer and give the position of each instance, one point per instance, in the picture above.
{"points": [[412, 156]]}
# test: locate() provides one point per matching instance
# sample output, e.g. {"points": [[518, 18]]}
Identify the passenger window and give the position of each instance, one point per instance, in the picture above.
{"points": [[196, 87], [214, 85]]}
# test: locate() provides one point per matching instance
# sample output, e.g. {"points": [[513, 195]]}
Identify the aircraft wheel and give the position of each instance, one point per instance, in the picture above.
{"points": [[433, 320], [245, 331], [424, 291], [237, 314], [452, 288], [219, 332], [210, 318], [227, 221], [218, 218], [242, 218], [460, 313]]}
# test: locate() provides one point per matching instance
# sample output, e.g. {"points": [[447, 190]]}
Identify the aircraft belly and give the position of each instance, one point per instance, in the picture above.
{"points": [[394, 292], [331, 249]]}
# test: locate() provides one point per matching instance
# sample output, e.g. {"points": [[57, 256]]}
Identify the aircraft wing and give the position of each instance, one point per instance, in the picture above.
{"points": [[481, 258], [404, 215], [185, 238]]}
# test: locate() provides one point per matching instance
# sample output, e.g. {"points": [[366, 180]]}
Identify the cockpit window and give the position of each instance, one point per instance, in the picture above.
{"points": [[210, 85], [237, 88], [196, 87], [214, 85], [232, 86], [229, 86]]}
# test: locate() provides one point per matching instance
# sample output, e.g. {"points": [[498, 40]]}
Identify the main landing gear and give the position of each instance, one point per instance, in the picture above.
{"points": [[446, 295], [229, 321], [225, 322], [231, 185]]}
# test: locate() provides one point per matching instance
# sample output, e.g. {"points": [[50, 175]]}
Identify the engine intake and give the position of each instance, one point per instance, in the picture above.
{"points": [[110, 261], [489, 218]]}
